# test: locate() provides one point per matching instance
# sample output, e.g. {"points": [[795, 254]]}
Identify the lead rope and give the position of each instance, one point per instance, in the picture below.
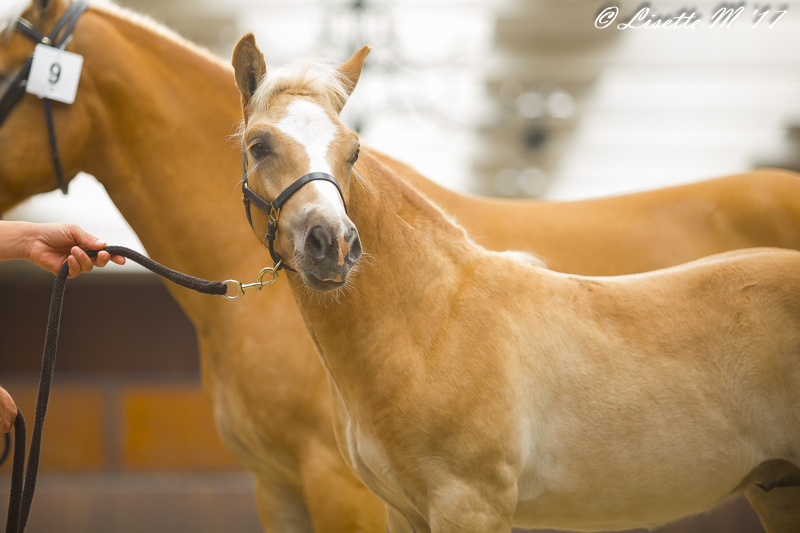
{"points": [[21, 497]]}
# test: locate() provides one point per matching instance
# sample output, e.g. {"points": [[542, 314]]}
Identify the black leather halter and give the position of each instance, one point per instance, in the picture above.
{"points": [[273, 209], [57, 38]]}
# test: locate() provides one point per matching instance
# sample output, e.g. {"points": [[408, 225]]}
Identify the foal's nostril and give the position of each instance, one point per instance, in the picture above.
{"points": [[355, 246], [317, 243]]}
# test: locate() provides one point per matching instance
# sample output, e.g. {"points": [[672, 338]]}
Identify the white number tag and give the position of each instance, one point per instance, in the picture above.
{"points": [[55, 74]]}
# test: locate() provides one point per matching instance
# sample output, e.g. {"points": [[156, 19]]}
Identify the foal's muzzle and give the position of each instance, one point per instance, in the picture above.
{"points": [[327, 257]]}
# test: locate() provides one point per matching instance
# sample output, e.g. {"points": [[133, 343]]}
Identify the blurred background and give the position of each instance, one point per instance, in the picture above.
{"points": [[512, 98]]}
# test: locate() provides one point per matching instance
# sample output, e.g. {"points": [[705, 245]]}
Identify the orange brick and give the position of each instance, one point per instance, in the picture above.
{"points": [[73, 437], [169, 428]]}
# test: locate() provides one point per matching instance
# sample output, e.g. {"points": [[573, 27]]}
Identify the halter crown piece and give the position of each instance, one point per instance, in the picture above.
{"points": [[273, 208], [58, 38]]}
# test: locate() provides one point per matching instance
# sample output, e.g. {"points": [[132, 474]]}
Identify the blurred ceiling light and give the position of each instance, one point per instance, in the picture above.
{"points": [[530, 104], [560, 104], [505, 181], [532, 181]]}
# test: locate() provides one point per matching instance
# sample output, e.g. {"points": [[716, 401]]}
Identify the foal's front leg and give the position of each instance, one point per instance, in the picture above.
{"points": [[472, 508]]}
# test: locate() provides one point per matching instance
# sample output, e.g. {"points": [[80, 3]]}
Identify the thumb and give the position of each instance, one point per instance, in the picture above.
{"points": [[85, 239]]}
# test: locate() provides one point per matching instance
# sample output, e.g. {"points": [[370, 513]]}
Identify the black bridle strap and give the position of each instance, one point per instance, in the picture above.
{"points": [[53, 141], [256, 200], [57, 38], [27, 29], [67, 22], [21, 497], [287, 193], [16, 90]]}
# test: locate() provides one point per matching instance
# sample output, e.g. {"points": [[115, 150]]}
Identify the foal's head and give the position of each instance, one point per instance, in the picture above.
{"points": [[292, 129]]}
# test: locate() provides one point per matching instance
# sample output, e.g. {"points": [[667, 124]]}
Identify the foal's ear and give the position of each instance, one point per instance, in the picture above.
{"points": [[351, 69], [249, 67]]}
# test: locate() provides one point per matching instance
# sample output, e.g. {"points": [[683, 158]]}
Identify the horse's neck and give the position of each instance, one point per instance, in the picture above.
{"points": [[162, 122], [387, 316]]}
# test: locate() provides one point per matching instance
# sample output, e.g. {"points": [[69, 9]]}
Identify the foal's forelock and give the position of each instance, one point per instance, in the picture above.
{"points": [[319, 78]]}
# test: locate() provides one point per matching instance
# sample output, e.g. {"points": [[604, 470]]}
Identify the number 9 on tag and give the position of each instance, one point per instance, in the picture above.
{"points": [[55, 74]]}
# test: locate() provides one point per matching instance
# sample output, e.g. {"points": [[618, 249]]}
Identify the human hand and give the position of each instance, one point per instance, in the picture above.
{"points": [[8, 411], [52, 244]]}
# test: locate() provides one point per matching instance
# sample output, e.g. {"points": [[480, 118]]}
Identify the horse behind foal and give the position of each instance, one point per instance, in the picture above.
{"points": [[474, 392]]}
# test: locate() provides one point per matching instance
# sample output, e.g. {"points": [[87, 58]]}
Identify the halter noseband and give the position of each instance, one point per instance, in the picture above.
{"points": [[57, 38], [273, 209]]}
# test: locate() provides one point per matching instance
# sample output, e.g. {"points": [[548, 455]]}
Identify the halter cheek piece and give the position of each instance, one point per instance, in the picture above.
{"points": [[58, 38], [273, 209]]}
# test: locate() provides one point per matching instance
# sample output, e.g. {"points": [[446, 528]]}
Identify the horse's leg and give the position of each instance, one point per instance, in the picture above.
{"points": [[776, 498], [280, 509], [337, 501]]}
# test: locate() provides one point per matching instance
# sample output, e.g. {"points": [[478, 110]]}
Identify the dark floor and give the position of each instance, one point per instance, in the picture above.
{"points": [[136, 503], [733, 517], [216, 503]]}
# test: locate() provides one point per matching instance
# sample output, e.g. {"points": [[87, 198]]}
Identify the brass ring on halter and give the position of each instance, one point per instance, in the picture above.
{"points": [[263, 271], [239, 289]]}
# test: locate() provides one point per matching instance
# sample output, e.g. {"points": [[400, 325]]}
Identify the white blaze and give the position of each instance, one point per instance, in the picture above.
{"points": [[309, 124]]}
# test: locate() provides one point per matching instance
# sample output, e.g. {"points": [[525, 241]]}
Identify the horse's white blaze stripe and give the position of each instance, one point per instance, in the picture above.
{"points": [[309, 124]]}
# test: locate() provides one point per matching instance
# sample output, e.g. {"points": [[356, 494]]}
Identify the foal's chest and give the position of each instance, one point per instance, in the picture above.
{"points": [[368, 457]]}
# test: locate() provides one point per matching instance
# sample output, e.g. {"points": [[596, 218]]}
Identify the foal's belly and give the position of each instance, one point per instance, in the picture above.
{"points": [[587, 512], [646, 488]]}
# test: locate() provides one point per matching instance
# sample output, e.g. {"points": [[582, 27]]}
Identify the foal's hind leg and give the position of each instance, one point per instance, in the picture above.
{"points": [[280, 509], [776, 499]]}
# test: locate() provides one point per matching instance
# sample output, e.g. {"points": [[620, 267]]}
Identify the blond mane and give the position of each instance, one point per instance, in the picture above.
{"points": [[13, 9], [315, 77], [145, 21]]}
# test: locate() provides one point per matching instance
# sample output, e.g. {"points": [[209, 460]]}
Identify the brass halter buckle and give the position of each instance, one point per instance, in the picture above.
{"points": [[274, 215], [241, 288]]}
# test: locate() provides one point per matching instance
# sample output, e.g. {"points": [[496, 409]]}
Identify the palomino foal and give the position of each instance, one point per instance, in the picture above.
{"points": [[474, 391]]}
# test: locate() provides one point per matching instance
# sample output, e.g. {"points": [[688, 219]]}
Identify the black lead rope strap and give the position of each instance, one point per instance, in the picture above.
{"points": [[273, 209], [57, 38], [23, 480]]}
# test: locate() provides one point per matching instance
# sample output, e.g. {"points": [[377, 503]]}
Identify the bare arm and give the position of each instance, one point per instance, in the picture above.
{"points": [[49, 245]]}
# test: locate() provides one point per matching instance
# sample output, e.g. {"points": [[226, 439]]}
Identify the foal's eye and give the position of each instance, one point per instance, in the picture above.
{"points": [[355, 157], [259, 150]]}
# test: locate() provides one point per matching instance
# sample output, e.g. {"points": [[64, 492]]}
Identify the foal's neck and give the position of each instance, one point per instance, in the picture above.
{"points": [[385, 321], [162, 120]]}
